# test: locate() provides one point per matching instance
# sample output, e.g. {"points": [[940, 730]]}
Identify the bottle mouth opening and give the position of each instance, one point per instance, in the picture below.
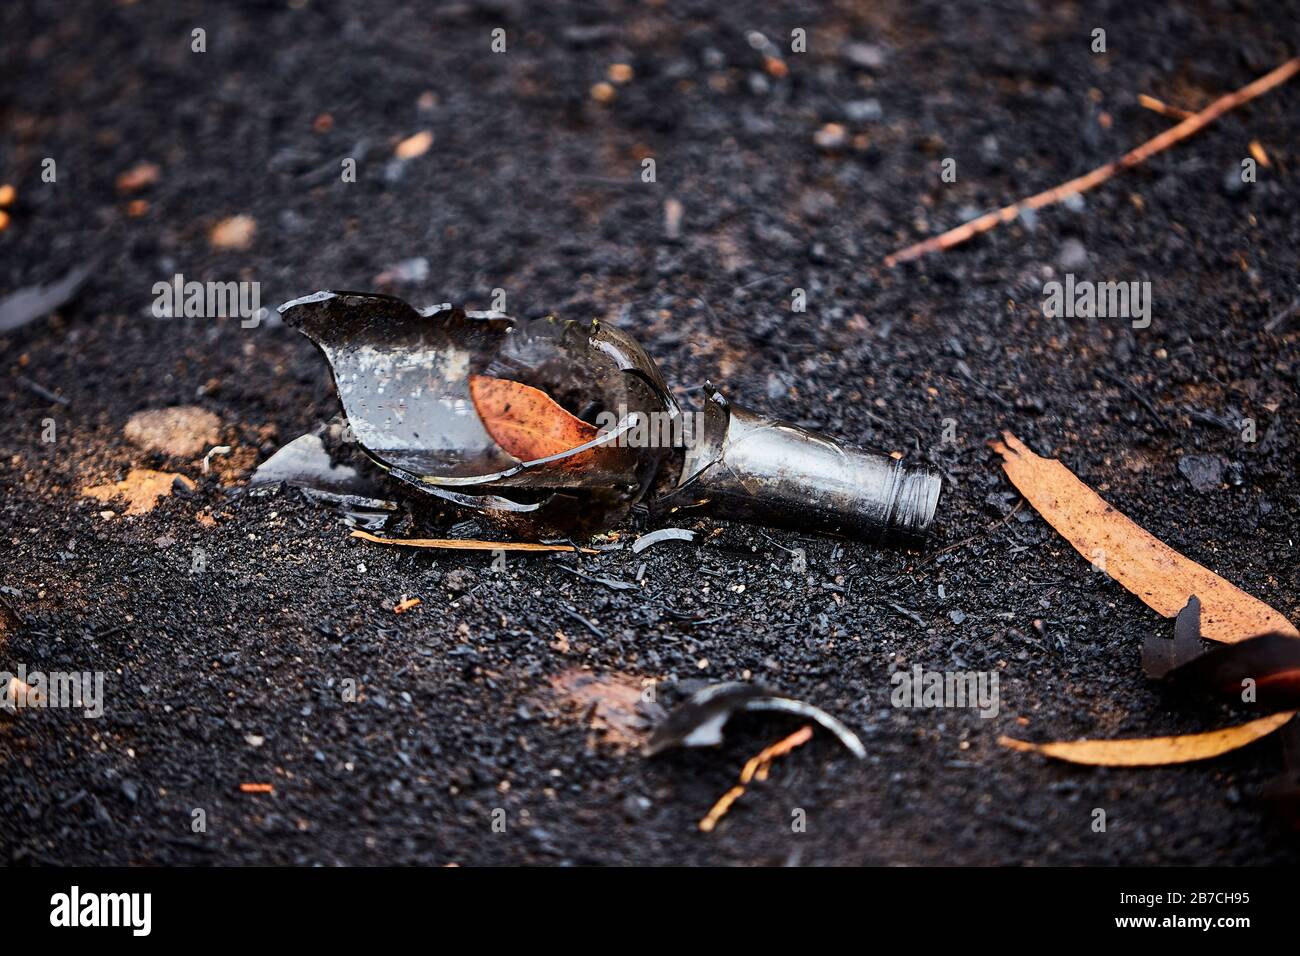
{"points": [[916, 502]]}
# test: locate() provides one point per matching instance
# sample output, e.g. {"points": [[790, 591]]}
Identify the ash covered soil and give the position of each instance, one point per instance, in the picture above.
{"points": [[233, 674]]}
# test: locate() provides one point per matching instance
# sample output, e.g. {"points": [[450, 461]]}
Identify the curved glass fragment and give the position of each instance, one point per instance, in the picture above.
{"points": [[488, 412]]}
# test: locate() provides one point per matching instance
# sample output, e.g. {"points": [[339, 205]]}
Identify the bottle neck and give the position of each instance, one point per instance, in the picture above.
{"points": [[753, 468]]}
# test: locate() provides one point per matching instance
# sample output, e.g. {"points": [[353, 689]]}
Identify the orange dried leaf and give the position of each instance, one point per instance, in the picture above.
{"points": [[525, 421], [1155, 751], [140, 490], [1142, 563]]}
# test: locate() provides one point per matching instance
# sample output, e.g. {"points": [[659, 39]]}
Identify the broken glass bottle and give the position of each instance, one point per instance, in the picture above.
{"points": [[559, 427]]}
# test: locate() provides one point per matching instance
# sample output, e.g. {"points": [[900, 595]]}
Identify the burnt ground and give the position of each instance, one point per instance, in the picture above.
{"points": [[533, 186]]}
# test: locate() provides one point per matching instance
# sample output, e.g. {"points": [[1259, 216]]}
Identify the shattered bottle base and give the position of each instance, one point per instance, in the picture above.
{"points": [[538, 427]]}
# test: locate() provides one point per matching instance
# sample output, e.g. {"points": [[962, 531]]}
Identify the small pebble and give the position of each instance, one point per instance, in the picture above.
{"points": [[458, 580], [1204, 472], [1072, 255], [182, 431], [414, 146], [865, 56], [863, 111], [137, 177], [234, 233], [673, 218], [1232, 183], [415, 269], [831, 136]]}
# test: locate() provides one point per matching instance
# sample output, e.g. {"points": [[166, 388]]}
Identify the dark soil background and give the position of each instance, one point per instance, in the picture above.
{"points": [[533, 185]]}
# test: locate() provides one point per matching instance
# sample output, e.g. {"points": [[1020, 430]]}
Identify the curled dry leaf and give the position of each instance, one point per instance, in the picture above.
{"points": [[527, 422], [467, 544], [1263, 671], [1154, 751], [1142, 563], [1282, 794], [1269, 662], [1160, 655]]}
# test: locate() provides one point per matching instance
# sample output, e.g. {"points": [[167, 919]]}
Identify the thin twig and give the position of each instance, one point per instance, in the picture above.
{"points": [[1142, 400], [1081, 184], [466, 544], [931, 558], [39, 389], [755, 768], [967, 374], [1163, 108], [1282, 316]]}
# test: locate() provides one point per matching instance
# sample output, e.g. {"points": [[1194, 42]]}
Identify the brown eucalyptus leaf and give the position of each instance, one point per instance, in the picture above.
{"points": [[1161, 577], [525, 421], [1154, 751]]}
